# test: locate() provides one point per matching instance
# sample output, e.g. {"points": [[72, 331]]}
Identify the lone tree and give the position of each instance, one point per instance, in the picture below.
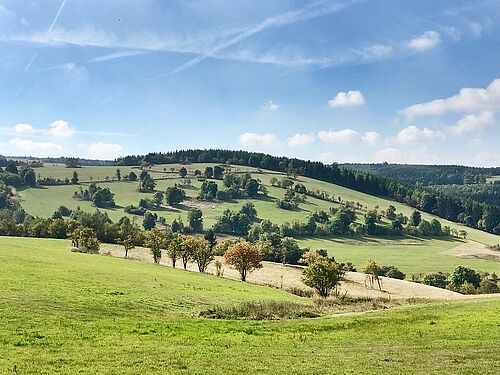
{"points": [[183, 172], [155, 240], [75, 178], [128, 244], [85, 240], [174, 195], [323, 275], [244, 257]]}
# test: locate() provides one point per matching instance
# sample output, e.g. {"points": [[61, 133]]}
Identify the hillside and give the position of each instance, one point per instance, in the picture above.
{"points": [[413, 255], [92, 314]]}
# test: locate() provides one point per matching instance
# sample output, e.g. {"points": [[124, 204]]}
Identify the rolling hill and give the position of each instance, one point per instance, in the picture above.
{"points": [[65, 312]]}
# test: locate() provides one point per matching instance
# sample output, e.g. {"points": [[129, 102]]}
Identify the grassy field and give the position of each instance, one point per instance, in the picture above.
{"points": [[43, 201], [412, 256], [63, 312]]}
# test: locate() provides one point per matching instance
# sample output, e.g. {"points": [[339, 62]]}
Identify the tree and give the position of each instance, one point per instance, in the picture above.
{"points": [[11, 167], [202, 253], [174, 195], [372, 271], [132, 176], [29, 177], [415, 218], [251, 187], [211, 238], [195, 218], [323, 275], [244, 257], [174, 249], [391, 271], [103, 198], [118, 174], [462, 274], [85, 240], [248, 209], [155, 240], [183, 172], [128, 244], [209, 172], [147, 184], [75, 179], [218, 171], [439, 280], [158, 198], [391, 212], [149, 221], [187, 249], [72, 163]]}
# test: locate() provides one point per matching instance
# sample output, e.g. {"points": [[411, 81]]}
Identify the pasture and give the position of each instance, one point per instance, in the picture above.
{"points": [[63, 312]]}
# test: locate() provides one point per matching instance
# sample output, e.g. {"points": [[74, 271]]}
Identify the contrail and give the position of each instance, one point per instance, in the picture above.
{"points": [[314, 10], [61, 7], [49, 30]]}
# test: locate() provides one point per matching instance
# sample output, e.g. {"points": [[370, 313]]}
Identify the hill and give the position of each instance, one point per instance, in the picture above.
{"points": [[413, 255], [64, 312]]}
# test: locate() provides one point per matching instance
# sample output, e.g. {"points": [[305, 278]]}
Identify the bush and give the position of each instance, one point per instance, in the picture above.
{"points": [[272, 310], [392, 272], [439, 280]]}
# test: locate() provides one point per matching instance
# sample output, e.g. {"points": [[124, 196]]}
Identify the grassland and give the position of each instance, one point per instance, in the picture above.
{"points": [[43, 201], [63, 312], [411, 255]]}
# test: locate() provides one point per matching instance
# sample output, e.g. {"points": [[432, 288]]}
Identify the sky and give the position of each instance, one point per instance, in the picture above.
{"points": [[331, 80]]}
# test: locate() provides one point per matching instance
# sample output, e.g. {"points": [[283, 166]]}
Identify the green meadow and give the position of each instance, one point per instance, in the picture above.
{"points": [[63, 312]]}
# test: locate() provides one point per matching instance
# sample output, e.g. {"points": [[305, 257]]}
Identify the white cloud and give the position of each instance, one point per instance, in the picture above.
{"points": [[472, 122], [412, 134], [24, 129], [253, 139], [61, 128], [352, 98], [426, 41], [377, 51], [102, 150], [298, 140], [28, 147], [348, 136], [467, 100], [272, 106], [371, 138]]}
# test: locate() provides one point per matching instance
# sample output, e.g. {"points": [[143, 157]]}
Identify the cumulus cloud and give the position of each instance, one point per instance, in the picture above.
{"points": [[348, 136], [472, 122], [413, 134], [33, 148], [253, 139], [390, 155], [272, 106], [61, 128], [100, 150], [352, 98], [427, 40], [24, 129], [371, 138], [467, 100], [298, 140]]}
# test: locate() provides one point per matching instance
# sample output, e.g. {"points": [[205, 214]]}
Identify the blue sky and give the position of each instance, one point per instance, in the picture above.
{"points": [[337, 81]]}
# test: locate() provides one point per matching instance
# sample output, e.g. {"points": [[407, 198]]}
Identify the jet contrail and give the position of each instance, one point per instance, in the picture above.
{"points": [[61, 7], [49, 30], [313, 10]]}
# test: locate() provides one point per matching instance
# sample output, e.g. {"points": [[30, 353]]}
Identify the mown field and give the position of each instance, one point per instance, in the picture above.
{"points": [[62, 312]]}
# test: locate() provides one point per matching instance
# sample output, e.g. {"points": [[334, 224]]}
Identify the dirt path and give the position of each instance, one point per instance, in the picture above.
{"points": [[472, 249], [287, 277]]}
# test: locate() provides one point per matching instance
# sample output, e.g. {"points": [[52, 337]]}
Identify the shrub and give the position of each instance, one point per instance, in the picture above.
{"points": [[392, 272], [439, 280]]}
